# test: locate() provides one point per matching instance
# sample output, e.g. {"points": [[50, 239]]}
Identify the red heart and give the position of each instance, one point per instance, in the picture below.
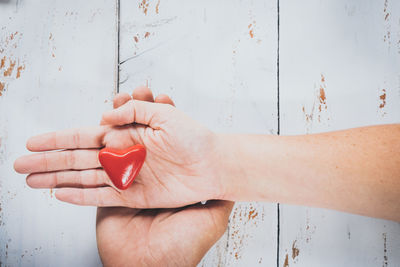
{"points": [[122, 166]]}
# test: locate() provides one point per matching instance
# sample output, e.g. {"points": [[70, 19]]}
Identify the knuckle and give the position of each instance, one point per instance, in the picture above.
{"points": [[70, 159], [99, 199], [132, 111], [79, 178], [56, 178], [102, 177], [46, 161], [95, 177], [107, 130]]}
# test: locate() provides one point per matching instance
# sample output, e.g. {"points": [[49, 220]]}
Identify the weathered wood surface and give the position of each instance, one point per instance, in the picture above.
{"points": [[218, 61], [339, 68], [57, 70]]}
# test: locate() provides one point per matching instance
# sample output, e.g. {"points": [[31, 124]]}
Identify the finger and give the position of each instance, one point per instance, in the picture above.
{"points": [[143, 93], [135, 111], [164, 99], [100, 197], [124, 137], [121, 99], [81, 179], [57, 161], [68, 139]]}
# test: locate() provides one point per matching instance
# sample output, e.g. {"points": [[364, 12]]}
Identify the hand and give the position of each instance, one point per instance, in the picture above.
{"points": [[182, 166], [160, 237], [143, 237]]}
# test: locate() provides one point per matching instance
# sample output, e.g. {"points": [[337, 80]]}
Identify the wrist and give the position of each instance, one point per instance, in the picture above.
{"points": [[248, 167], [231, 171]]}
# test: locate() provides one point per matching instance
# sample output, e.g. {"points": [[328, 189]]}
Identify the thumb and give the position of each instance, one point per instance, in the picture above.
{"points": [[136, 111]]}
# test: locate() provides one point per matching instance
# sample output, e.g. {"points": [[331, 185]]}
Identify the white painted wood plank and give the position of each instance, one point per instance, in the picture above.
{"points": [[217, 59], [351, 51], [64, 55]]}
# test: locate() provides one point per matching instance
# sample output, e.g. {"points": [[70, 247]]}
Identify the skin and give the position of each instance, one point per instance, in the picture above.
{"points": [[158, 237], [356, 170], [180, 167]]}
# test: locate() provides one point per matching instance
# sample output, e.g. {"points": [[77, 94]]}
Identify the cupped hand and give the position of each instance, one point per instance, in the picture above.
{"points": [[158, 237], [182, 166]]}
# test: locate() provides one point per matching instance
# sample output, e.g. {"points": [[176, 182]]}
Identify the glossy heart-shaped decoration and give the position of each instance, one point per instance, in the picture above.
{"points": [[122, 166]]}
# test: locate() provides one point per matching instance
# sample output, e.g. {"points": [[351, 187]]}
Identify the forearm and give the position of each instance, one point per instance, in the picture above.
{"points": [[355, 170]]}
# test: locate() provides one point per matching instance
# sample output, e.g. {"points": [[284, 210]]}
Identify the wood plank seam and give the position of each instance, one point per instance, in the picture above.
{"points": [[278, 230], [118, 29]]}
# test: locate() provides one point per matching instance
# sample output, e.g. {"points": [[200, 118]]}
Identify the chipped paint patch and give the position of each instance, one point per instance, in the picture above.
{"points": [[295, 250], [139, 37], [319, 109], [382, 98], [252, 26], [286, 263], [387, 36], [3, 62], [251, 29], [252, 214], [322, 97], [385, 257], [386, 13], [244, 218], [10, 40], [235, 236], [310, 229], [9, 72], [10, 68], [2, 86], [19, 70], [158, 7], [308, 116], [144, 5], [52, 45], [302, 239], [382, 102]]}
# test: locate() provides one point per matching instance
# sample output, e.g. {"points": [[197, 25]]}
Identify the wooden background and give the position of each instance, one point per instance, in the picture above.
{"points": [[251, 66]]}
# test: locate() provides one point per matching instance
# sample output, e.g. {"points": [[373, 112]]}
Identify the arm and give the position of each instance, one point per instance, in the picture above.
{"points": [[356, 170]]}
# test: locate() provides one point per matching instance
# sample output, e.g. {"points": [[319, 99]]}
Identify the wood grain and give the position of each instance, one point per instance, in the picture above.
{"points": [[339, 68], [217, 60], [57, 63]]}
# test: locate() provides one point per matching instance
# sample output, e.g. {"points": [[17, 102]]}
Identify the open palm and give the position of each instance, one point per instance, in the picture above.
{"points": [[180, 164], [180, 167]]}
